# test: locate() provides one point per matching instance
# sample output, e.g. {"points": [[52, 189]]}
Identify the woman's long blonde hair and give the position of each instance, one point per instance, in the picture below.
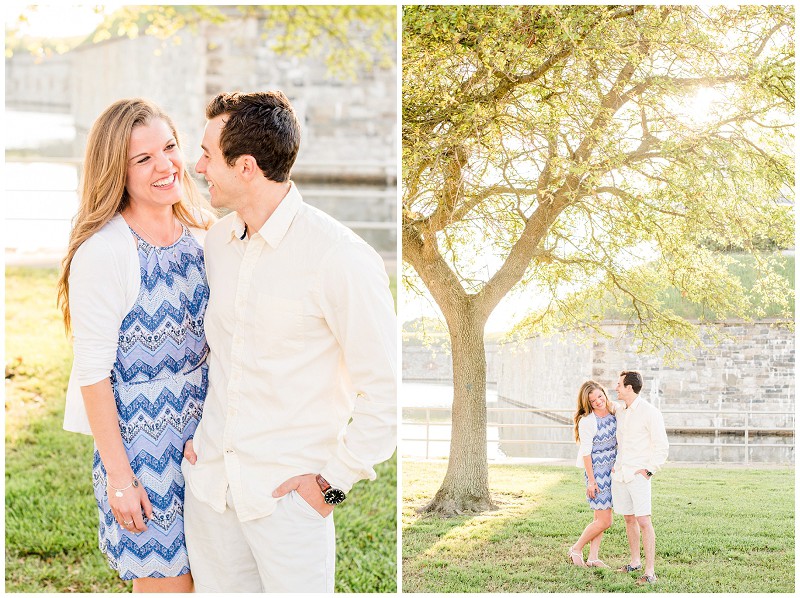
{"points": [[584, 406], [102, 188]]}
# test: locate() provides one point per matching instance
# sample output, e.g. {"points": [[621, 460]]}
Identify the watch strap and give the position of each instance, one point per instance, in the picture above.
{"points": [[323, 484]]}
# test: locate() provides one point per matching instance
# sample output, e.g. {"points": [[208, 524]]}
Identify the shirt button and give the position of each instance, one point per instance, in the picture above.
{"points": [[229, 451]]}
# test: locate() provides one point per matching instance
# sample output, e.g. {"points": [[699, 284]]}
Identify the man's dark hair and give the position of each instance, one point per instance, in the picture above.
{"points": [[633, 379], [262, 125]]}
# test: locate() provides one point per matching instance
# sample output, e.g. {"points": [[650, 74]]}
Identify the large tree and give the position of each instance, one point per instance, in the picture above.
{"points": [[608, 150]]}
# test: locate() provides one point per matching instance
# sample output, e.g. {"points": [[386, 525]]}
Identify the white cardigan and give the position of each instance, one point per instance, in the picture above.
{"points": [[104, 282], [587, 430]]}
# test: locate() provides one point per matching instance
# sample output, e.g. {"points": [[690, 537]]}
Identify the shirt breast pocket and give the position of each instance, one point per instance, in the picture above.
{"points": [[278, 326]]}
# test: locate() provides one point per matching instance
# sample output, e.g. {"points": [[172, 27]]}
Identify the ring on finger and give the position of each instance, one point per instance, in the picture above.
{"points": [[128, 522]]}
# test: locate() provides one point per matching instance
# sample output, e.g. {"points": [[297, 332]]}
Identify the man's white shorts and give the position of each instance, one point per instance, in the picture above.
{"points": [[632, 498]]}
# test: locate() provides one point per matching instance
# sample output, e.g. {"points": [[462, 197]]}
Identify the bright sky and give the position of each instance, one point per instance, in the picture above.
{"points": [[58, 19], [505, 315]]}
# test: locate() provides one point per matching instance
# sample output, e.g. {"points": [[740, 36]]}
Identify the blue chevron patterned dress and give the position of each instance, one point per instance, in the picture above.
{"points": [[604, 453], [159, 379]]}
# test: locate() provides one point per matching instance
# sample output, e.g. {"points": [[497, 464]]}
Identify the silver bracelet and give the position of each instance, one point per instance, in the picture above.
{"points": [[118, 491]]}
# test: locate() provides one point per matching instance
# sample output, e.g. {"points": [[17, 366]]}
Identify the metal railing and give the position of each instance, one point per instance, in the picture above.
{"points": [[714, 432]]}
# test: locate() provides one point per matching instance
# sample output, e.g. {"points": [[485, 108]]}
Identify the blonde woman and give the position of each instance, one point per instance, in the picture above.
{"points": [[133, 293], [596, 434]]}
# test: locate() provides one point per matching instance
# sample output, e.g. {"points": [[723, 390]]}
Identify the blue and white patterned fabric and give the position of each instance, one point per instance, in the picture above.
{"points": [[159, 379], [604, 453]]}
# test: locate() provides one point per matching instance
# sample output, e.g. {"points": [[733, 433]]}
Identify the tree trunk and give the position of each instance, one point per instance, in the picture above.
{"points": [[465, 488]]}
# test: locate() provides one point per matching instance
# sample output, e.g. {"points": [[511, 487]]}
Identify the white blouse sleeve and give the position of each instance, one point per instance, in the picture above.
{"points": [[104, 282], [99, 298], [587, 429]]}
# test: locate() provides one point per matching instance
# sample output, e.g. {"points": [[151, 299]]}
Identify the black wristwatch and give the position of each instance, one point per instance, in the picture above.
{"points": [[332, 496], [648, 473]]}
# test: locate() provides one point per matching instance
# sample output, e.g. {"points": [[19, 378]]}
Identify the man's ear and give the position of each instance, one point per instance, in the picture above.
{"points": [[247, 167]]}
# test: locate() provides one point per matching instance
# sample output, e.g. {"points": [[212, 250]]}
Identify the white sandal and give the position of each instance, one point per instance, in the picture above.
{"points": [[572, 555], [597, 563]]}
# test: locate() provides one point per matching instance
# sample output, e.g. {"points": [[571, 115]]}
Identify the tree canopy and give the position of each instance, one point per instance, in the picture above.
{"points": [[573, 145]]}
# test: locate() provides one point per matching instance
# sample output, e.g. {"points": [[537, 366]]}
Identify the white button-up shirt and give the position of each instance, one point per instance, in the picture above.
{"points": [[641, 440], [302, 369]]}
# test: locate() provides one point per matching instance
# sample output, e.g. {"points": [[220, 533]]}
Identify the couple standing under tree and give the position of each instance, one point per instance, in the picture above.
{"points": [[621, 446], [235, 390]]}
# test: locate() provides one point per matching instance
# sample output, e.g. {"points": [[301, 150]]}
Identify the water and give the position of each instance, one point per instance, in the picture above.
{"points": [[526, 436], [426, 428], [420, 423], [37, 130], [40, 191], [37, 219], [40, 197]]}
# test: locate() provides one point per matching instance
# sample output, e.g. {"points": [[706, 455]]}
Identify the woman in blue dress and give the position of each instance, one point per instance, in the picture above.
{"points": [[133, 293], [596, 434]]}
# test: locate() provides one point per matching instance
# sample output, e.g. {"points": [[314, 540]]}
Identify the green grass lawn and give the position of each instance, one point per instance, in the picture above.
{"points": [[717, 530], [51, 518]]}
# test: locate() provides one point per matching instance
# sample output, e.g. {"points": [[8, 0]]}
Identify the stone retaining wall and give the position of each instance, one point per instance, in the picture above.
{"points": [[432, 361], [745, 381], [753, 367]]}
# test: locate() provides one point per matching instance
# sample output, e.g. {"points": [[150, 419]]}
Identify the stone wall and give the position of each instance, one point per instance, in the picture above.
{"points": [[38, 84], [432, 361], [170, 75], [426, 362], [753, 366]]}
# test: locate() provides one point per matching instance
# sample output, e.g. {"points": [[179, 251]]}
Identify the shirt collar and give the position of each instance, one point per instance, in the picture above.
{"points": [[635, 404], [276, 226], [238, 228], [274, 229]]}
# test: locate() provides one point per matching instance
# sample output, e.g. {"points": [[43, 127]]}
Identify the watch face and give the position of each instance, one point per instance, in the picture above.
{"points": [[334, 496]]}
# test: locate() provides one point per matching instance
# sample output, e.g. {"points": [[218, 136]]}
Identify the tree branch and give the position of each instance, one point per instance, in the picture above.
{"points": [[522, 252], [609, 105], [455, 160], [633, 199], [422, 252]]}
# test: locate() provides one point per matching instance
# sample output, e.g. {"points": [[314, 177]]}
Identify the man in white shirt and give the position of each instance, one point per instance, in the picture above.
{"points": [[642, 451], [302, 374]]}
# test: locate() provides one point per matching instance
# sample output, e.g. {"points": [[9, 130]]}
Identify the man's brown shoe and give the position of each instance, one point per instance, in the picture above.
{"points": [[629, 568]]}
